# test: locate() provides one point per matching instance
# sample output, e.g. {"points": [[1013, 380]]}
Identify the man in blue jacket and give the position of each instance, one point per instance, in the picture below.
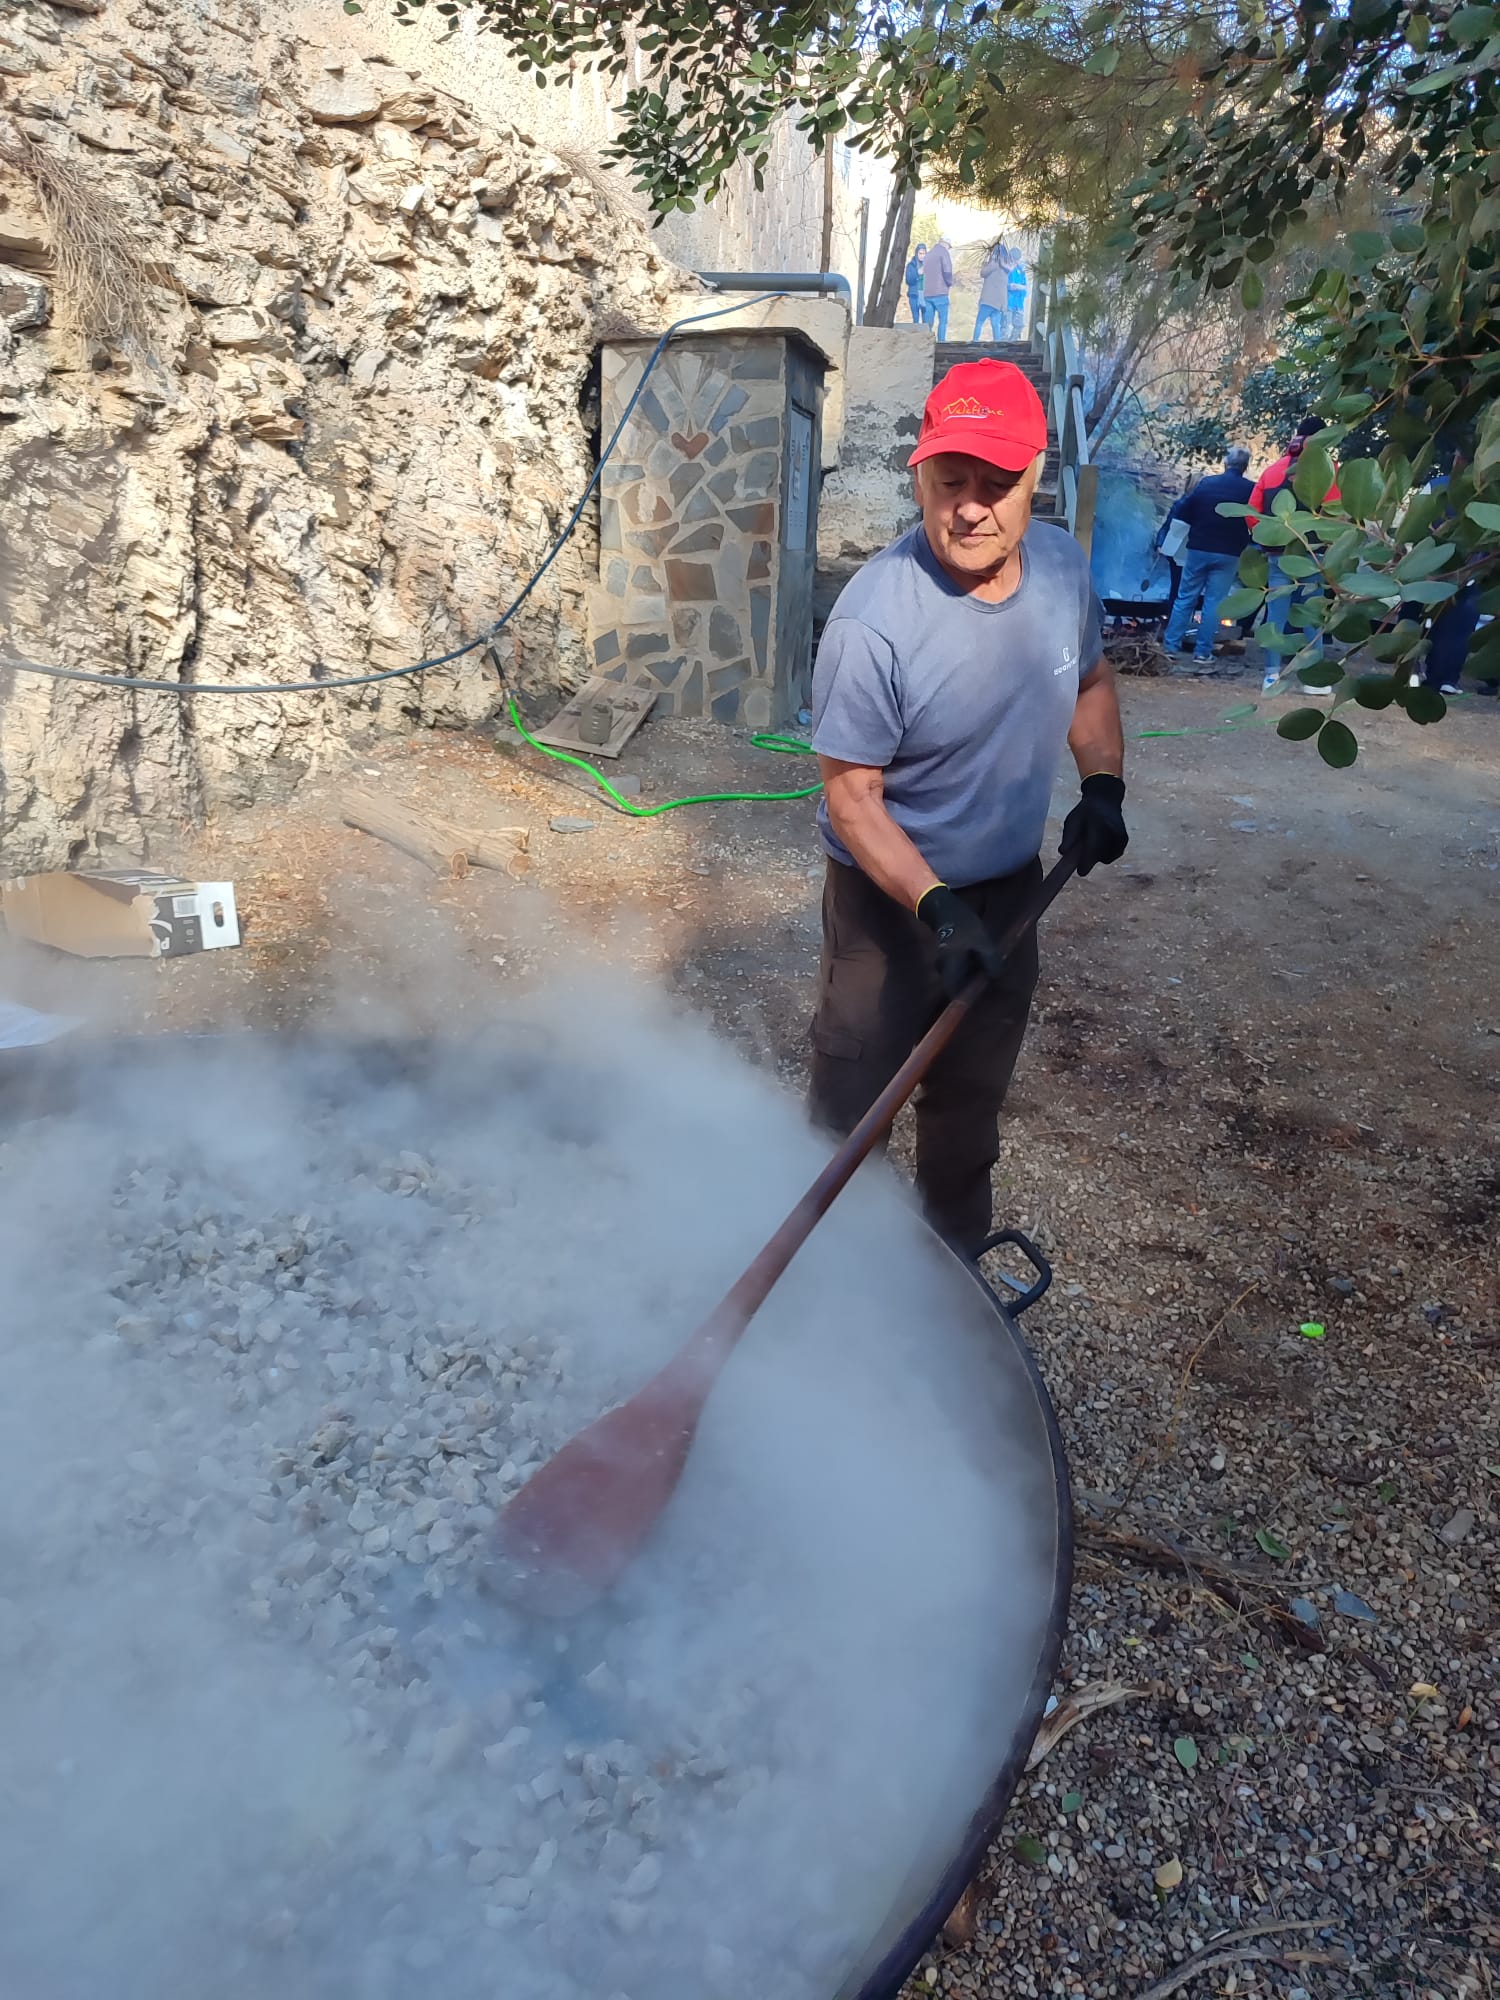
{"points": [[1211, 558]]}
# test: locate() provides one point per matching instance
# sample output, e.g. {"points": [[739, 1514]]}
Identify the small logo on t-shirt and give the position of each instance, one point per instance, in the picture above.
{"points": [[1067, 662]]}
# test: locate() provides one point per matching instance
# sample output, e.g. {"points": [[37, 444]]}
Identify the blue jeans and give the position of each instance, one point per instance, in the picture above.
{"points": [[914, 300], [992, 317], [935, 313], [1448, 637], [1279, 609], [1207, 578]]}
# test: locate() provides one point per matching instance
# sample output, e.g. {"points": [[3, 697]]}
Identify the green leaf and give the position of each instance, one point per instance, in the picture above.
{"points": [[1337, 746], [1298, 567], [1436, 79], [1185, 1750], [1271, 1544], [1300, 724], [1361, 483], [1240, 603], [1313, 475], [1282, 501], [1104, 62], [1319, 673], [1071, 1801], [1385, 1492], [1252, 290], [1366, 245], [1028, 1848], [1484, 513], [1438, 591], [1408, 238], [1424, 704], [1471, 24], [1249, 1660], [1271, 535], [1255, 568], [1424, 560], [1375, 690]]}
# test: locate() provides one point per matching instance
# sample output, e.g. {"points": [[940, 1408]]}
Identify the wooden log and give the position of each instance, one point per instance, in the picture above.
{"points": [[497, 846], [436, 844]]}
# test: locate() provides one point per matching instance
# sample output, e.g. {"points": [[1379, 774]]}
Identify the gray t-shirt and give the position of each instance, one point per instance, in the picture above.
{"points": [[964, 705]]}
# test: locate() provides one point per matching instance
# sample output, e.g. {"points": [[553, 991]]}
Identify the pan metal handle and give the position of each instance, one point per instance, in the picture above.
{"points": [[1027, 1294]]}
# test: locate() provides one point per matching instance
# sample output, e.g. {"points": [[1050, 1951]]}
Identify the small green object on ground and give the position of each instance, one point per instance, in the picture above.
{"points": [[1312, 1329]]}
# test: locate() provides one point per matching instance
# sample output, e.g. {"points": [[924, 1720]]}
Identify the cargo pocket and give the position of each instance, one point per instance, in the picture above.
{"points": [[836, 1042]]}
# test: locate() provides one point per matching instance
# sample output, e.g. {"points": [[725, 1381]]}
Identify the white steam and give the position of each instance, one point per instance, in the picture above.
{"points": [[280, 1337]]}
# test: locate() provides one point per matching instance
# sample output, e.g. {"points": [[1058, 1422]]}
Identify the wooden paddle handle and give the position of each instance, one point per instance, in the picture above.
{"points": [[748, 1293]]}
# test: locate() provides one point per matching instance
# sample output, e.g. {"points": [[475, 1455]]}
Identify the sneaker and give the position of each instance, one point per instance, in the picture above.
{"points": [[1450, 687]]}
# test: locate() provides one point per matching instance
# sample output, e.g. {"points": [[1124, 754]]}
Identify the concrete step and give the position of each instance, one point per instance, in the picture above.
{"points": [[948, 353]]}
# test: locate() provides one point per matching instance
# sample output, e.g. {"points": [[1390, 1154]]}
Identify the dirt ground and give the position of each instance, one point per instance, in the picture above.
{"points": [[1262, 1089]]}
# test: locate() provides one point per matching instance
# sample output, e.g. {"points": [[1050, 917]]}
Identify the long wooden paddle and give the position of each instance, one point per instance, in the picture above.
{"points": [[578, 1522]]}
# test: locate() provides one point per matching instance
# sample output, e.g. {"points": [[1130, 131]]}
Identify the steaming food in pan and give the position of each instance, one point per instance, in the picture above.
{"points": [[283, 1333]]}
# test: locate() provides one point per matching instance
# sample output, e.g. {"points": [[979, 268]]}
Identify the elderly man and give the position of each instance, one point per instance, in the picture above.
{"points": [[954, 669]]}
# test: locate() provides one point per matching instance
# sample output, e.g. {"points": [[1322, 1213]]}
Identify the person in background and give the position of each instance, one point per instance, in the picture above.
{"points": [[937, 283], [1015, 298], [1451, 626], [1448, 639], [1212, 553], [1174, 567], [994, 273], [1282, 591], [914, 284]]}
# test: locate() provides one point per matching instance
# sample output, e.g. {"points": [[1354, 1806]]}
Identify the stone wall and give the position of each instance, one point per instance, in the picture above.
{"points": [[867, 500], [707, 524], [363, 416], [778, 227], [867, 497]]}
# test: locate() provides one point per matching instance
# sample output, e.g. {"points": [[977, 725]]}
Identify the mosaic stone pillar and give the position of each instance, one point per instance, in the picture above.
{"points": [[708, 525]]}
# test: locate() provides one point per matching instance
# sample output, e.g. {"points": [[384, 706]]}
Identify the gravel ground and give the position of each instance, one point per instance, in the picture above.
{"points": [[1260, 1092]]}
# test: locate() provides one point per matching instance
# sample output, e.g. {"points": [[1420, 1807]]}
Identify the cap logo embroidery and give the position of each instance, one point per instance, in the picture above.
{"points": [[967, 406]]}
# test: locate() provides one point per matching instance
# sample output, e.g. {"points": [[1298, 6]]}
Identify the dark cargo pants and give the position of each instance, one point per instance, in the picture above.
{"points": [[878, 994]]}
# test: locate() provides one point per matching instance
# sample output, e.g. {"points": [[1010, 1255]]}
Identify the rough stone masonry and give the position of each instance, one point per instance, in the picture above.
{"points": [[357, 425]]}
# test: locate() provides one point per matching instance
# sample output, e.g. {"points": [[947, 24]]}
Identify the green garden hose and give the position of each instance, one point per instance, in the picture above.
{"points": [[787, 746], [791, 746]]}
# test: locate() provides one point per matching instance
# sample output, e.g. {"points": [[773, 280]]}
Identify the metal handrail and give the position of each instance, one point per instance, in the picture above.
{"points": [[1078, 487]]}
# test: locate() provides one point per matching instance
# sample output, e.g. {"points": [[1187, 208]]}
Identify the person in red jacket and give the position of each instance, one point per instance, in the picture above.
{"points": [[1282, 592], [1279, 471]]}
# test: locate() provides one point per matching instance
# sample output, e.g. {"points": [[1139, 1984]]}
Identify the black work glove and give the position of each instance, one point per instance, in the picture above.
{"points": [[964, 946], [1096, 825]]}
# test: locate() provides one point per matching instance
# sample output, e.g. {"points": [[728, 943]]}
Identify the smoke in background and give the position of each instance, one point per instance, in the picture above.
{"points": [[283, 1331]]}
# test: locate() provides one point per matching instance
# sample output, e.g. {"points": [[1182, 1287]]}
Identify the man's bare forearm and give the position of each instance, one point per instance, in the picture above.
{"points": [[1097, 736], [857, 812]]}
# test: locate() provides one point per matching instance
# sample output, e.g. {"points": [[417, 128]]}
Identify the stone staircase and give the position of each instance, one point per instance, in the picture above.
{"points": [[949, 353]]}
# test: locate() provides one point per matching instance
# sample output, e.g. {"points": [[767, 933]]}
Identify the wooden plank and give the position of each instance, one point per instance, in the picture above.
{"points": [[629, 708]]}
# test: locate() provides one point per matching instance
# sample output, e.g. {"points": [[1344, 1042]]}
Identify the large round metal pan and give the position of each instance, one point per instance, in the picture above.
{"points": [[1014, 1417]]}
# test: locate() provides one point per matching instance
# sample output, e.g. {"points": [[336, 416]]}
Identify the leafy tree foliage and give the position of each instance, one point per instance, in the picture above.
{"points": [[901, 81], [1403, 329]]}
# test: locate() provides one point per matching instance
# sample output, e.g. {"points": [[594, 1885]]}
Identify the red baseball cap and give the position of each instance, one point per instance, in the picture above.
{"points": [[988, 410]]}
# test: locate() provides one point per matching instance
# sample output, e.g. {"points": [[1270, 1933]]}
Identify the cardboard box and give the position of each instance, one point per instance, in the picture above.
{"points": [[121, 913]]}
